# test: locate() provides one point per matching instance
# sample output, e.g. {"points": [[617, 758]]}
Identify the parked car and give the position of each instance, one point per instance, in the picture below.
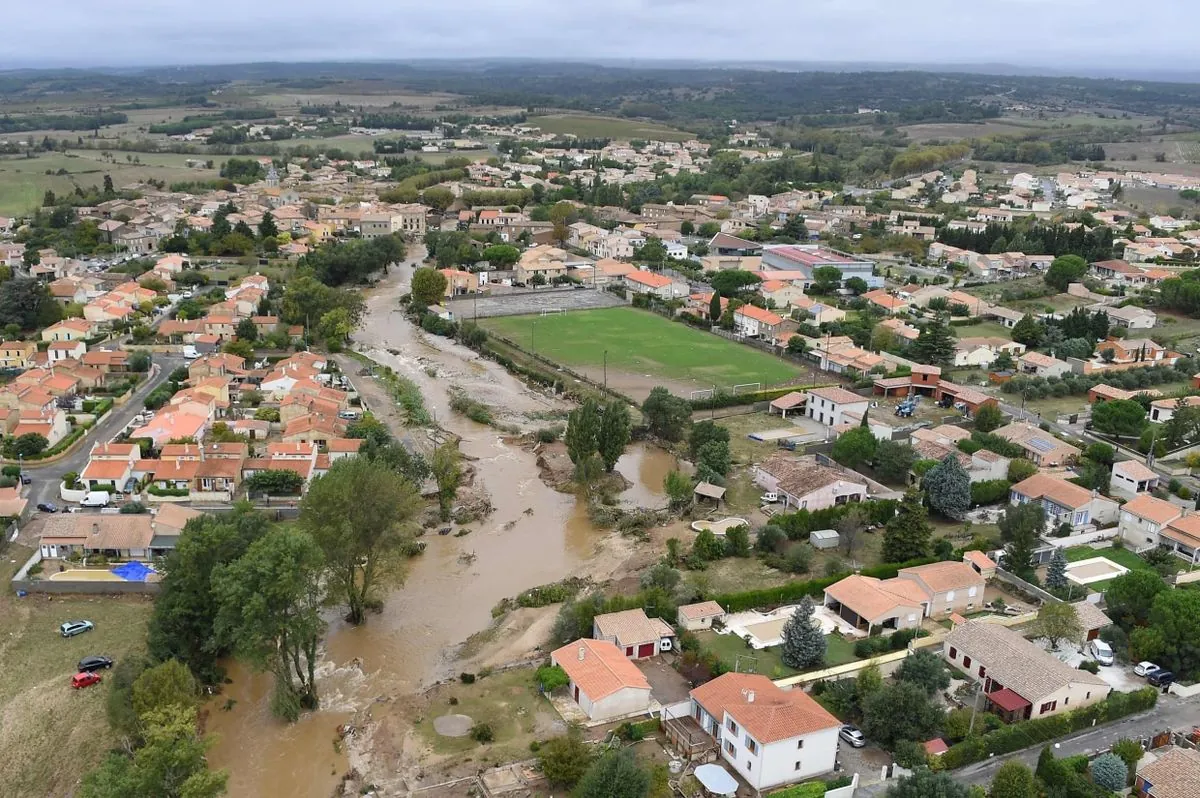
{"points": [[72, 628], [47, 507], [86, 679], [1161, 678], [769, 498], [1100, 651], [852, 735], [26, 479], [94, 663], [1144, 668]]}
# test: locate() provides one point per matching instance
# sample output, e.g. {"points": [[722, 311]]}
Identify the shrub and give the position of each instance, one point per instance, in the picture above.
{"points": [[990, 491], [482, 733], [551, 677], [549, 434], [466, 678]]}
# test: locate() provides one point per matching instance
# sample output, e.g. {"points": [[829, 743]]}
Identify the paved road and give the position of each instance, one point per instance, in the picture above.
{"points": [[1171, 713], [46, 476]]}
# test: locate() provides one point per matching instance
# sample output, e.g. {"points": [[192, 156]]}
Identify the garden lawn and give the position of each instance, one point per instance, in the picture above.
{"points": [[767, 661], [506, 701], [1123, 557], [641, 342]]}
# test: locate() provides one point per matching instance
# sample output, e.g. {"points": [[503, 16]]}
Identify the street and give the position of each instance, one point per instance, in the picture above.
{"points": [[46, 476], [1171, 713]]}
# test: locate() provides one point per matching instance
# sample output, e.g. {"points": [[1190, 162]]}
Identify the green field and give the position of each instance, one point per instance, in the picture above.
{"points": [[23, 181], [586, 125], [641, 342], [49, 733]]}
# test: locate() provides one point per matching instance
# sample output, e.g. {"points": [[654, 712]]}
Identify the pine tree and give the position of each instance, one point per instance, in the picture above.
{"points": [[935, 344], [949, 487], [803, 641], [1056, 572], [908, 532]]}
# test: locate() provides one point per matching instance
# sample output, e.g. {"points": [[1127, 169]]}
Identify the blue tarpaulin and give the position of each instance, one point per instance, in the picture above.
{"points": [[133, 571]]}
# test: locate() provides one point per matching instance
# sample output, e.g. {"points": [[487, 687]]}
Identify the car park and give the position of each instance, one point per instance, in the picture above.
{"points": [[1100, 651], [94, 663], [1161, 678], [1144, 668], [47, 507], [853, 736], [72, 628], [86, 679]]}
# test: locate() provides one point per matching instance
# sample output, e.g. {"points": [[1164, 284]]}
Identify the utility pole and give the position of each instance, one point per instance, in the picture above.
{"points": [[606, 370]]}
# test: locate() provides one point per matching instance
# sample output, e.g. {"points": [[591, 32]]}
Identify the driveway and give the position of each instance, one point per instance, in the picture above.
{"points": [[1119, 677], [47, 476], [667, 685]]}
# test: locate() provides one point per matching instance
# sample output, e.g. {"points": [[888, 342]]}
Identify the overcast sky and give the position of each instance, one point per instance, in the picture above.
{"points": [[1065, 34]]}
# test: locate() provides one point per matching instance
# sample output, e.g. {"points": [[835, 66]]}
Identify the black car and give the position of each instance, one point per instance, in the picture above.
{"points": [[95, 663], [47, 507], [1161, 678]]}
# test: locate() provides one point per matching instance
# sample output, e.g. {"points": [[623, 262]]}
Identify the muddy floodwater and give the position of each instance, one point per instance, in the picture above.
{"points": [[533, 536]]}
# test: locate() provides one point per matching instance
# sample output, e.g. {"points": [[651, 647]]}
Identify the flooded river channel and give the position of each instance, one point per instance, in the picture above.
{"points": [[533, 536]]}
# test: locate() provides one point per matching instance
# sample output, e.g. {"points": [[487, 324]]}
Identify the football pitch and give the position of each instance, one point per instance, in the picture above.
{"points": [[643, 343]]}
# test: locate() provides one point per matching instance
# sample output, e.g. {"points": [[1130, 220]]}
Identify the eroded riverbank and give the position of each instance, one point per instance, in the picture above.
{"points": [[534, 535]]}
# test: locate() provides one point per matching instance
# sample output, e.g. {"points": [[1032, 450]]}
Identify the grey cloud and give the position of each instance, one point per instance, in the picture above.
{"points": [[1064, 34]]}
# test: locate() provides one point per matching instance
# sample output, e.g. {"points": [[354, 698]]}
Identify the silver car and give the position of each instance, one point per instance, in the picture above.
{"points": [[72, 628], [852, 735]]}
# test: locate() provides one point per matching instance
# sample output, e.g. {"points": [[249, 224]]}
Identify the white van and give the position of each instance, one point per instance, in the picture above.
{"points": [[96, 498], [190, 352]]}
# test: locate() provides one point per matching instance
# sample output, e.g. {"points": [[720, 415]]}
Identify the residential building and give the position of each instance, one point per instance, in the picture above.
{"points": [[694, 617], [770, 736], [68, 330], [603, 681], [1065, 502], [637, 635], [1173, 773], [1045, 450], [933, 590], [1132, 317], [1143, 519], [1181, 537], [980, 352], [17, 354], [804, 484], [115, 536], [1130, 477], [1042, 365], [1163, 410], [756, 322], [1020, 680], [832, 406]]}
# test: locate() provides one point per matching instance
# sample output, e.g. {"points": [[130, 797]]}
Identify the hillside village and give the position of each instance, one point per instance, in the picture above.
{"points": [[930, 495]]}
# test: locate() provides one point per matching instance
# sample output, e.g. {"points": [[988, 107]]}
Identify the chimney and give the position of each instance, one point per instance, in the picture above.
{"points": [[582, 651], [750, 697], [95, 528]]}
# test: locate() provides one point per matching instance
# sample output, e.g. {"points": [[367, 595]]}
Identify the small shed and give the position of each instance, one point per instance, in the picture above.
{"points": [[699, 616], [824, 538], [1091, 619], [707, 490]]}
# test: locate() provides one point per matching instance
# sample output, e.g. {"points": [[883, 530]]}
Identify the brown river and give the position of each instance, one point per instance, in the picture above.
{"points": [[533, 536]]}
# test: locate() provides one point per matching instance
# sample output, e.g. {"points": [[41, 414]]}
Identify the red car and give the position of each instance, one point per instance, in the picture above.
{"points": [[84, 680]]}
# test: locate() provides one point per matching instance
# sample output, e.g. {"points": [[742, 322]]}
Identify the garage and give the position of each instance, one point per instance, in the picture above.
{"points": [[645, 650]]}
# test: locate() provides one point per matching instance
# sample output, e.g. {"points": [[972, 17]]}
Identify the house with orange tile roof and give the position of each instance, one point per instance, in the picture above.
{"points": [[106, 472], [659, 285], [883, 299], [63, 350], [694, 617], [1131, 477], [755, 322], [109, 362], [339, 448], [1143, 519], [16, 354], [769, 735], [1045, 450], [1065, 502], [602, 681], [313, 429], [68, 330], [170, 423], [832, 405], [51, 423], [632, 631]]}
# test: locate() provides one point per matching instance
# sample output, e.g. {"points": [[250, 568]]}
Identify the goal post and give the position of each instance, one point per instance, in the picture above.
{"points": [[748, 387]]}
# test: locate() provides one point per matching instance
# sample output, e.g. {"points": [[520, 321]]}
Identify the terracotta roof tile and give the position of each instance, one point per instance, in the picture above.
{"points": [[599, 668]]}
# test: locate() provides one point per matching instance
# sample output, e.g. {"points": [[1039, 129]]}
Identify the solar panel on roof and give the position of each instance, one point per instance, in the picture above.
{"points": [[1041, 444]]}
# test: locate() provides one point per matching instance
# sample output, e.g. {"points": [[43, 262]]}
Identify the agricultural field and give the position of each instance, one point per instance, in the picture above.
{"points": [[39, 712], [642, 348], [23, 181], [587, 125]]}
